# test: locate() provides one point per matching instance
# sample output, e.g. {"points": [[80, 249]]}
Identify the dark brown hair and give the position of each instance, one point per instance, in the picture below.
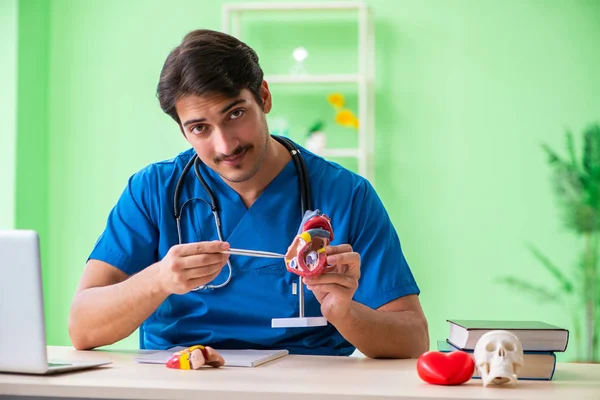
{"points": [[205, 63]]}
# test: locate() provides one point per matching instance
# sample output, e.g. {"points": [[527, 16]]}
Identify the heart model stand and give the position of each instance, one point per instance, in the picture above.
{"points": [[306, 257], [300, 320]]}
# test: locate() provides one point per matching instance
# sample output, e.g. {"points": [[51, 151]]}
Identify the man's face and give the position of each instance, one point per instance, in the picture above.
{"points": [[230, 135]]}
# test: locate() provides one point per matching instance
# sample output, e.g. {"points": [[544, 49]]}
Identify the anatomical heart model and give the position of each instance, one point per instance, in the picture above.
{"points": [[195, 357], [306, 255]]}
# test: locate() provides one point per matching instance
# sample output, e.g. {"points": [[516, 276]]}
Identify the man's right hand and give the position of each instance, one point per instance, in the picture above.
{"points": [[187, 266]]}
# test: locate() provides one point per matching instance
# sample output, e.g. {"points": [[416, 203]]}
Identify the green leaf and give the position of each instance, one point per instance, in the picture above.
{"points": [[567, 185], [591, 151], [566, 284], [538, 292], [316, 127], [587, 218], [571, 150], [567, 181], [553, 157]]}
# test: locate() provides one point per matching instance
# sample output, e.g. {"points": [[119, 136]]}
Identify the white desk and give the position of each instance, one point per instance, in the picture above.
{"points": [[289, 378]]}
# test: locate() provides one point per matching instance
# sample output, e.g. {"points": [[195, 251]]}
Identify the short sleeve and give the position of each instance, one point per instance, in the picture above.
{"points": [[385, 274], [130, 238]]}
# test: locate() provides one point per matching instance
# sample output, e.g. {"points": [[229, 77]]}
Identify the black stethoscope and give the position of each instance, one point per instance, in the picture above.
{"points": [[304, 185]]}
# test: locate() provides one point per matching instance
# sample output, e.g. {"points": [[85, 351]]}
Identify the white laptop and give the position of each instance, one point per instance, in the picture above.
{"points": [[22, 323]]}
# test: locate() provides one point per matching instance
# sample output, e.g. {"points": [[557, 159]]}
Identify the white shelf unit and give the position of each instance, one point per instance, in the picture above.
{"points": [[329, 78], [363, 78]]}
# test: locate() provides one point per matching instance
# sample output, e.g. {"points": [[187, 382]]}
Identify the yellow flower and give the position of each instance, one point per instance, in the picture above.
{"points": [[336, 100], [346, 118]]}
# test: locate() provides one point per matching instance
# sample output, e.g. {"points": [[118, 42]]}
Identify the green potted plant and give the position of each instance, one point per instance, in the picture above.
{"points": [[577, 188]]}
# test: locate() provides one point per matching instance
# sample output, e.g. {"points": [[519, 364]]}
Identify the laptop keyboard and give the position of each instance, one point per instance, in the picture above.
{"points": [[58, 365]]}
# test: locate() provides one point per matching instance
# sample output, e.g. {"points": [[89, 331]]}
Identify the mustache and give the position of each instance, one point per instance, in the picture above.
{"points": [[238, 150]]}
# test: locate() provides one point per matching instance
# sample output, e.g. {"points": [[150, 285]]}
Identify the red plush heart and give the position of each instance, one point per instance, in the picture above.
{"points": [[445, 368]]}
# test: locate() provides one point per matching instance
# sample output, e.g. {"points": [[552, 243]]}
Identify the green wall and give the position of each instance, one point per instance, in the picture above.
{"points": [[8, 110], [32, 163], [466, 92]]}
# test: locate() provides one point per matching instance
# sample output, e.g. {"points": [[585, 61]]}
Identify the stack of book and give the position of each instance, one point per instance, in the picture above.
{"points": [[540, 342]]}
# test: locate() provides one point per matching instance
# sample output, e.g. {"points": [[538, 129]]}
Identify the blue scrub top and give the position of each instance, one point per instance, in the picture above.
{"points": [[141, 228]]}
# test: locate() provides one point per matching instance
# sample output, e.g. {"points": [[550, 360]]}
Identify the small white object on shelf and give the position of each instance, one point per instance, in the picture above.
{"points": [[300, 54], [316, 142]]}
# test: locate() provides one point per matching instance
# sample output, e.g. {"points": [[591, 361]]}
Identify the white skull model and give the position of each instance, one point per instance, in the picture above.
{"points": [[498, 356]]}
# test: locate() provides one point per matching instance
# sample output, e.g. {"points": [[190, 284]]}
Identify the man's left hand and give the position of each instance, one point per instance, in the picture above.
{"points": [[335, 287]]}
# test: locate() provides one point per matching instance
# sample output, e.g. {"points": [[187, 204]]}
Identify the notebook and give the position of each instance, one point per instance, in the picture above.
{"points": [[233, 358], [536, 365], [533, 335]]}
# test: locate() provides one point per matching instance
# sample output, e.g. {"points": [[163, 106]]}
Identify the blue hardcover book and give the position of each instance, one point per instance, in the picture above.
{"points": [[537, 365]]}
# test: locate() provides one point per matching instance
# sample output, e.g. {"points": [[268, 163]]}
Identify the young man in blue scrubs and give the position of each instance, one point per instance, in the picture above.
{"points": [[143, 269]]}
